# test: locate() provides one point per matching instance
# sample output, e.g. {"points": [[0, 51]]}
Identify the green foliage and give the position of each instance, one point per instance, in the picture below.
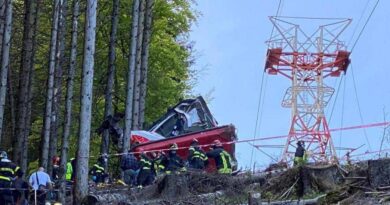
{"points": [[169, 71]]}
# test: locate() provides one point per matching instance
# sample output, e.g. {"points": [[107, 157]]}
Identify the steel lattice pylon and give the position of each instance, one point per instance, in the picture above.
{"points": [[307, 60]]}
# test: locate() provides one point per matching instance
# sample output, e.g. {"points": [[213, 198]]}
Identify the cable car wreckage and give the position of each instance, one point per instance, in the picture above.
{"points": [[189, 119]]}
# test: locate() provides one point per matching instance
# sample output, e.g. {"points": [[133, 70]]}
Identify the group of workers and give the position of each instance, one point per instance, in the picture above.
{"points": [[138, 171], [143, 170], [14, 190]]}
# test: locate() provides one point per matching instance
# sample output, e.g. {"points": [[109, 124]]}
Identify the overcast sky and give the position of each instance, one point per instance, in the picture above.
{"points": [[230, 40]]}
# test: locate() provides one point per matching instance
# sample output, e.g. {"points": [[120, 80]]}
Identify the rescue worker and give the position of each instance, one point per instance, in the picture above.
{"points": [[97, 171], [222, 158], [173, 163], [197, 158], [145, 173], [8, 172], [70, 170], [300, 154], [158, 164], [56, 168]]}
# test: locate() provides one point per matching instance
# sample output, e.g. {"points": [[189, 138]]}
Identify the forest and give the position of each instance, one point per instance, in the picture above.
{"points": [[66, 65]]}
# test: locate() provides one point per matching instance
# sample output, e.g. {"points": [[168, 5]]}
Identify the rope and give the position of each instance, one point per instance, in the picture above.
{"points": [[311, 18], [380, 124]]}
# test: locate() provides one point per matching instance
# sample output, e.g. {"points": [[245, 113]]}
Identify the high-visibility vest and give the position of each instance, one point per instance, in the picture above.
{"points": [[226, 163], [8, 171], [146, 164], [69, 171], [198, 154], [98, 169]]}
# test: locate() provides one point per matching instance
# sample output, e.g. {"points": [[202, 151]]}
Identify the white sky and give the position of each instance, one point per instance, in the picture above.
{"points": [[230, 38]]}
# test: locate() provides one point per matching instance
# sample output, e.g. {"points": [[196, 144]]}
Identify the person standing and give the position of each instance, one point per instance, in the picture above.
{"points": [[130, 167], [40, 182], [97, 171], [145, 173], [70, 171], [222, 158], [174, 164], [300, 154], [56, 168], [197, 158], [8, 172], [22, 190]]}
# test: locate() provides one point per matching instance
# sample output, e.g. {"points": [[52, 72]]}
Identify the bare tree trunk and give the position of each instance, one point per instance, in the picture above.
{"points": [[24, 163], [69, 100], [145, 60], [138, 66], [110, 75], [50, 84], [11, 100], [24, 76], [81, 189], [3, 4], [57, 93], [130, 77], [5, 61]]}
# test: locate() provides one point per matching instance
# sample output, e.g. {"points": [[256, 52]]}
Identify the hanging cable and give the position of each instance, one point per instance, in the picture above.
{"points": [[365, 24], [358, 23], [261, 88], [257, 115], [335, 100], [262, 106], [342, 114], [358, 104]]}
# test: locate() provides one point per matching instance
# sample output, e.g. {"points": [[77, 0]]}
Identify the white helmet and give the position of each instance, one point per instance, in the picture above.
{"points": [[3, 155]]}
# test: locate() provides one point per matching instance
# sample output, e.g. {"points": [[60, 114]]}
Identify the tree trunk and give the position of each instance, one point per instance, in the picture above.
{"points": [[110, 75], [24, 163], [2, 23], [130, 77], [11, 100], [68, 100], [145, 60], [138, 66], [50, 84], [24, 78], [81, 189], [5, 61], [57, 92]]}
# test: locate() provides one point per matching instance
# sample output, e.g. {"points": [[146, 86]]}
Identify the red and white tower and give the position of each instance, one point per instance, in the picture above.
{"points": [[307, 60]]}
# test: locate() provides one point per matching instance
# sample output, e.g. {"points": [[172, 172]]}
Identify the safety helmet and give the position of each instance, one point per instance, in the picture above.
{"points": [[3, 155], [217, 143], [56, 160], [194, 141], [174, 147]]}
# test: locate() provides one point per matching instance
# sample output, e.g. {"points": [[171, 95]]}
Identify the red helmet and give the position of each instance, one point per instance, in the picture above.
{"points": [[217, 143], [56, 160]]}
